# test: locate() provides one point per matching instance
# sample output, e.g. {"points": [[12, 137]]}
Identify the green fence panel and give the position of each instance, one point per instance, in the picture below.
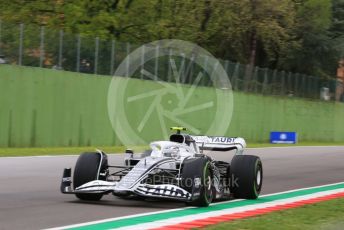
{"points": [[42, 107]]}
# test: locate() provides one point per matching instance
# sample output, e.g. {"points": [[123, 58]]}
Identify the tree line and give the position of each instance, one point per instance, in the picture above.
{"points": [[305, 36]]}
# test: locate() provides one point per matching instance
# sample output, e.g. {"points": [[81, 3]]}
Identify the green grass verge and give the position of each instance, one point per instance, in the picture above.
{"points": [[323, 215], [6, 152], [264, 145], [44, 151]]}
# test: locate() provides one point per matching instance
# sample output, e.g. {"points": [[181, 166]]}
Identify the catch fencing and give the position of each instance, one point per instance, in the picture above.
{"points": [[31, 45]]}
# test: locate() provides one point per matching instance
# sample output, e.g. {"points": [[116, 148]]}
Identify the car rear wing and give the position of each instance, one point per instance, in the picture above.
{"points": [[220, 143]]}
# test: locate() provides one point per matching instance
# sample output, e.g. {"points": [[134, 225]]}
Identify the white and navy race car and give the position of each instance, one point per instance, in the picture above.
{"points": [[176, 169]]}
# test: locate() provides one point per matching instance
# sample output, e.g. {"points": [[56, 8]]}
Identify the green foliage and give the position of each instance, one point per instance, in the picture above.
{"points": [[337, 29], [319, 51], [272, 23], [296, 35]]}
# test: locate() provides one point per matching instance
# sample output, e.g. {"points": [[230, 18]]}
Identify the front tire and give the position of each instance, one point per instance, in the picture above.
{"points": [[246, 176], [86, 170], [198, 168]]}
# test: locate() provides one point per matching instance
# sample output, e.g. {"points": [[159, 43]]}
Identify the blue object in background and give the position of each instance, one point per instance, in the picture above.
{"points": [[283, 137]]}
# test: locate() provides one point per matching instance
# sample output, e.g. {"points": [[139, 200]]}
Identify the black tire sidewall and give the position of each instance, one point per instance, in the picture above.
{"points": [[197, 168], [244, 170], [86, 170], [258, 167], [205, 183]]}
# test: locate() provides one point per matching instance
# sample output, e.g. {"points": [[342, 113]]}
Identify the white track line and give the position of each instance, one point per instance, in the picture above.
{"points": [[178, 209], [178, 220], [284, 192]]}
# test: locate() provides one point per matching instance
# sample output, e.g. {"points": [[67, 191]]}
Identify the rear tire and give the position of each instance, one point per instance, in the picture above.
{"points": [[86, 170], [247, 176], [198, 168]]}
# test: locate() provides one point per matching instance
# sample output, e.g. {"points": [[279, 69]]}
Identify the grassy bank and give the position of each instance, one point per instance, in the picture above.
{"points": [[264, 145], [323, 215], [5, 152]]}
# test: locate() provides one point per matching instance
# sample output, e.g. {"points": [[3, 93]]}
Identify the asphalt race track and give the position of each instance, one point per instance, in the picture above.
{"points": [[30, 196]]}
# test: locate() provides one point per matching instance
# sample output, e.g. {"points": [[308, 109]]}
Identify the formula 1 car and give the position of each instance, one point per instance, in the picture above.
{"points": [[176, 169]]}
